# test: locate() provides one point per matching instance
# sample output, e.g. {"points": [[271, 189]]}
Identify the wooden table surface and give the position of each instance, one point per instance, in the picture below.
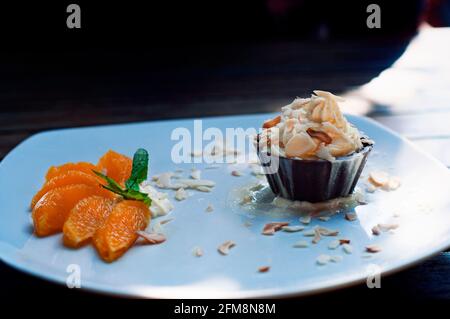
{"points": [[403, 85]]}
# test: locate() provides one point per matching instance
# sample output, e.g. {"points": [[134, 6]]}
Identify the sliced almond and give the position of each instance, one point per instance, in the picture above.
{"points": [[334, 244], [165, 221], [210, 208], [324, 218], [348, 249], [236, 173], [181, 194], [327, 232], [387, 227], [317, 236], [376, 230], [305, 219], [378, 178], [263, 269], [292, 229], [272, 122], [373, 249], [197, 252], [224, 248], [351, 217], [301, 244], [271, 228], [343, 241], [323, 259], [322, 136], [151, 238]]}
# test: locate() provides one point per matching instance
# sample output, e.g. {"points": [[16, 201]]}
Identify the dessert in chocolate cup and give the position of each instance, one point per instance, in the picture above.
{"points": [[311, 152]]}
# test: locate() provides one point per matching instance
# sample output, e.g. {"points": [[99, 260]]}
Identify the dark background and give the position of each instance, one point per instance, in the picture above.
{"points": [[132, 61]]}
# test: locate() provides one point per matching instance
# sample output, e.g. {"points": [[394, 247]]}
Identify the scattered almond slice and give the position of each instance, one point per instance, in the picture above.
{"points": [[393, 183], [309, 232], [197, 252], [343, 241], [348, 249], [165, 221], [317, 236], [387, 227], [305, 220], [336, 258], [224, 248], [196, 173], [373, 249], [324, 218], [376, 230], [203, 189], [378, 178], [271, 228], [301, 244], [327, 232], [292, 229], [236, 173], [323, 259], [334, 244], [181, 194], [210, 208], [151, 238], [351, 217], [263, 269]]}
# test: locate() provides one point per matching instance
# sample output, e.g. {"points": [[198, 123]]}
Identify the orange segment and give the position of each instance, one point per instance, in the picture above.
{"points": [[66, 178], [51, 211], [84, 219], [80, 166], [116, 166], [118, 232]]}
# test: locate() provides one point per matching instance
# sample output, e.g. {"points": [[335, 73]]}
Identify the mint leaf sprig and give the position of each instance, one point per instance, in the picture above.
{"points": [[138, 175]]}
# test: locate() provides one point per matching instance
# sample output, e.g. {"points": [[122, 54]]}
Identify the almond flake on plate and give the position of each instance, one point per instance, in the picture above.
{"points": [[197, 252], [263, 269], [301, 244], [351, 217], [236, 173], [327, 232], [309, 232], [378, 178], [336, 258], [347, 248], [323, 259], [317, 236], [373, 249], [376, 230], [292, 229], [181, 194], [305, 220], [393, 183], [334, 244], [210, 208], [224, 248], [203, 189], [343, 241], [151, 238], [165, 221], [324, 218], [387, 227], [271, 228]]}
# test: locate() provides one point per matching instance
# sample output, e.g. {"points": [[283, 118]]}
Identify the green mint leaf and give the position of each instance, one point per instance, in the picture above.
{"points": [[115, 187], [139, 171], [111, 183]]}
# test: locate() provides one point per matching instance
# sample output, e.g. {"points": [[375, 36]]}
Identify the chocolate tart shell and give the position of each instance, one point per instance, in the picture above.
{"points": [[315, 180]]}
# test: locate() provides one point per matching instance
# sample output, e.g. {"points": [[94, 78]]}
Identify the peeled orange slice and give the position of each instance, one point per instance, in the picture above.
{"points": [[116, 166], [84, 219], [80, 166], [52, 210], [118, 232], [66, 178]]}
